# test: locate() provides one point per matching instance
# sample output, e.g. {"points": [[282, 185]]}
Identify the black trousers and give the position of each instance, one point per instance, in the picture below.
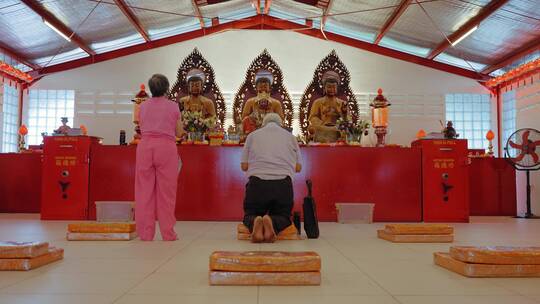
{"points": [[272, 197]]}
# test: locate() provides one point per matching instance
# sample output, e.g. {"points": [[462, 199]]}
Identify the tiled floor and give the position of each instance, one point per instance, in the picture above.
{"points": [[357, 267]]}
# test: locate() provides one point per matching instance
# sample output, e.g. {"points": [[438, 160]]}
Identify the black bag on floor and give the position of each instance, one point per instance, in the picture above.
{"points": [[311, 224]]}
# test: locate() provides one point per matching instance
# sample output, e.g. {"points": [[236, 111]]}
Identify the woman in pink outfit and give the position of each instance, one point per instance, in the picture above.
{"points": [[157, 165]]}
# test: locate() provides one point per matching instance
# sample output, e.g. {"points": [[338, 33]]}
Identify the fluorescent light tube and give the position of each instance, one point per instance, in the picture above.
{"points": [[465, 35], [57, 30]]}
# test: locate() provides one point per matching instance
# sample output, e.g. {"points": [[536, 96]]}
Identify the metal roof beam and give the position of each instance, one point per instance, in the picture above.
{"points": [[15, 55], [484, 13], [267, 4], [198, 13], [35, 6], [528, 48], [257, 5], [263, 22], [392, 20], [325, 5], [132, 18]]}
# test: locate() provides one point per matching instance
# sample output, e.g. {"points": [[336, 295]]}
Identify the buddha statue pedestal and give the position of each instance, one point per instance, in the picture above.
{"points": [[326, 134]]}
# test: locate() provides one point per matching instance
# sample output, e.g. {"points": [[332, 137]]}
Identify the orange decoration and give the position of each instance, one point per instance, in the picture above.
{"points": [[83, 130], [490, 135], [12, 71], [23, 130], [529, 67], [420, 134]]}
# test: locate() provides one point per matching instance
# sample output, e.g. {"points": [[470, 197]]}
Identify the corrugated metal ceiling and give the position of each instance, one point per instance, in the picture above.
{"points": [[103, 26]]}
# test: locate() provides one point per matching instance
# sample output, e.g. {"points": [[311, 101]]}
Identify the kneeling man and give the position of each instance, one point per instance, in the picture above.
{"points": [[270, 158]]}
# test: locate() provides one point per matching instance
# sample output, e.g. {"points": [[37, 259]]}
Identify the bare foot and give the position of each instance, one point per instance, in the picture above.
{"points": [[269, 234], [257, 235]]}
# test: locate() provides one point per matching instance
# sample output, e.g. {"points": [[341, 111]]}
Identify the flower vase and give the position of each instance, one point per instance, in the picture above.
{"points": [[354, 138]]}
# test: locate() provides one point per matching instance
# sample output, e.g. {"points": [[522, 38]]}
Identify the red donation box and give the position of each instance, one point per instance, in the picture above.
{"points": [[445, 180], [65, 177]]}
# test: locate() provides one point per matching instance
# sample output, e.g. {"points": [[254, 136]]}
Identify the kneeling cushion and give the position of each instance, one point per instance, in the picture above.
{"points": [[502, 255], [289, 233], [265, 261], [485, 270], [419, 229], [75, 236], [17, 250], [264, 278], [95, 227], [53, 254], [415, 238]]}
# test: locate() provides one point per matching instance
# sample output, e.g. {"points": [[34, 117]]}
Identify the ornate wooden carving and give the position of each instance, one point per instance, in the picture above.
{"points": [[263, 62], [195, 60], [315, 89]]}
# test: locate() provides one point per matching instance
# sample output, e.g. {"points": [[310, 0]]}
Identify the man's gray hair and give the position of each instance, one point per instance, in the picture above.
{"points": [[272, 117]]}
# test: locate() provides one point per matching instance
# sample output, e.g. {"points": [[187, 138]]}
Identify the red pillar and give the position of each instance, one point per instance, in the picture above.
{"points": [[499, 121], [21, 100]]}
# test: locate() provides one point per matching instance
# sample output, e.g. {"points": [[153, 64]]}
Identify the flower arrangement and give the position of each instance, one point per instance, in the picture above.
{"points": [[195, 122], [350, 127]]}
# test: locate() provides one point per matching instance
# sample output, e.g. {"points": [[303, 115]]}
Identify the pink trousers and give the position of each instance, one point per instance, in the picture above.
{"points": [[156, 173]]}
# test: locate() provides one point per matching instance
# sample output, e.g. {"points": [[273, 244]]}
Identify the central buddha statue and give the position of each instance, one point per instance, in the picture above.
{"points": [[195, 101], [325, 111], [257, 107]]}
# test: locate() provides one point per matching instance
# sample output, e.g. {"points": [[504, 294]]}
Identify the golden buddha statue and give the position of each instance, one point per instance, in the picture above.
{"points": [[325, 111], [257, 107], [195, 101]]}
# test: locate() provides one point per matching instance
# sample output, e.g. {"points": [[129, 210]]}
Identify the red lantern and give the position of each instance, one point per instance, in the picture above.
{"points": [[23, 130]]}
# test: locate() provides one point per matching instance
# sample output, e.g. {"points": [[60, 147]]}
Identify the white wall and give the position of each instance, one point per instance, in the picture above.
{"points": [[103, 90], [528, 116]]}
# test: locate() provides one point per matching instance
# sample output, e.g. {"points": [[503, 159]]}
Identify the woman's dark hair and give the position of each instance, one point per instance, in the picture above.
{"points": [[158, 84]]}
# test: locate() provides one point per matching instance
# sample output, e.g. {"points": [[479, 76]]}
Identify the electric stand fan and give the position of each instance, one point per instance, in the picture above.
{"points": [[521, 151]]}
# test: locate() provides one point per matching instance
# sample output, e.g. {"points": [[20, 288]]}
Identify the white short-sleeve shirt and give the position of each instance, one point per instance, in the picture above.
{"points": [[271, 153]]}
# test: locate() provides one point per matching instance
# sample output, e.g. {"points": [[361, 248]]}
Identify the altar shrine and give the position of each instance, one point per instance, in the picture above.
{"points": [[211, 184]]}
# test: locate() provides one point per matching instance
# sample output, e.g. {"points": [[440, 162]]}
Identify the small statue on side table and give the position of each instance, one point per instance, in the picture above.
{"points": [[64, 128], [449, 132], [141, 97]]}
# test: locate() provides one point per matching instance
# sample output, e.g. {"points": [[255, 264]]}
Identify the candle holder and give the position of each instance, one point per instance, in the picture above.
{"points": [[23, 130], [489, 136]]}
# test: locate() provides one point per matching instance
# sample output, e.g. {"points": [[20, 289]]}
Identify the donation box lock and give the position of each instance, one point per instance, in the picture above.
{"points": [[445, 180], [65, 177]]}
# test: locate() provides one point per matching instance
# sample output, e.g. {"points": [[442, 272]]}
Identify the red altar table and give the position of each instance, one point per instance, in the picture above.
{"points": [[493, 190], [211, 184], [20, 182]]}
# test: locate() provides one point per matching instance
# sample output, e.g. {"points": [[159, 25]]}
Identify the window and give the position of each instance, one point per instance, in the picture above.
{"points": [[471, 114], [508, 115], [45, 109], [10, 114]]}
